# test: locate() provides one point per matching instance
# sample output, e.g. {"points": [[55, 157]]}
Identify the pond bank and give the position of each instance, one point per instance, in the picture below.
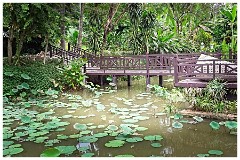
{"points": [[210, 115]]}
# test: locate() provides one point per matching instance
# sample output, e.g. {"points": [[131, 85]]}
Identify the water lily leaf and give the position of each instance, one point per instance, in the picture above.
{"points": [[88, 139], [153, 137], [99, 135], [67, 116], [23, 94], [202, 155], [51, 152], [141, 118], [10, 74], [14, 90], [85, 132], [214, 125], [177, 125], [141, 128], [87, 155], [114, 143], [134, 139], [87, 103], [198, 119], [178, 116], [25, 76], [215, 152], [40, 139], [7, 143], [12, 151], [19, 87], [100, 107], [27, 105], [112, 127], [50, 92], [231, 124], [130, 120], [25, 85], [124, 155], [80, 127], [156, 145], [61, 136], [100, 126], [66, 149], [25, 119], [5, 99]]}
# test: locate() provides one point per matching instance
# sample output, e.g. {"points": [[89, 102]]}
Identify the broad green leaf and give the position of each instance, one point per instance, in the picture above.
{"points": [[12, 151], [156, 145], [202, 155], [214, 125], [25, 76], [25, 85], [87, 155], [234, 13], [80, 127], [153, 137], [177, 125], [112, 127], [134, 139], [231, 124], [66, 149], [50, 152], [215, 152], [114, 143]]}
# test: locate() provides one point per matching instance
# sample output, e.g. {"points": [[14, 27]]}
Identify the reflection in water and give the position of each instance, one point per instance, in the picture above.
{"points": [[167, 151]]}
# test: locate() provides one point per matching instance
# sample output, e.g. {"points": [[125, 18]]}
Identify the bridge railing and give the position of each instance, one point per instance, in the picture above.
{"points": [[205, 70]]}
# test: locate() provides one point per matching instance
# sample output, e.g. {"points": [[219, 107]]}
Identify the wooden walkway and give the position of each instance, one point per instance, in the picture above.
{"points": [[187, 70]]}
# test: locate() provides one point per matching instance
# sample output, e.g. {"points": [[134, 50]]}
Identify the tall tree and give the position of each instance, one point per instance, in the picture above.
{"points": [[81, 7], [63, 31]]}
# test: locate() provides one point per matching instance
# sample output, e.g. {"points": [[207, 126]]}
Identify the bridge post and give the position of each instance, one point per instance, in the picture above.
{"points": [[100, 78], [114, 80], [147, 68], [160, 80], [129, 80], [175, 64]]}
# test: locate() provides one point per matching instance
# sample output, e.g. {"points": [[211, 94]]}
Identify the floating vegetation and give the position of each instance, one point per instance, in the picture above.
{"points": [[114, 143], [67, 150], [202, 155], [177, 125], [198, 119], [153, 138], [156, 145], [51, 152], [134, 139], [231, 124], [214, 125], [215, 152]]}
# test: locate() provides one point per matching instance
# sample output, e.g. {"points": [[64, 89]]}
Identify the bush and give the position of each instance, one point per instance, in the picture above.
{"points": [[72, 75], [39, 73]]}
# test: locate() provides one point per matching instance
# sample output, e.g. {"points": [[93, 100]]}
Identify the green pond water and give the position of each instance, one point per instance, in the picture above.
{"points": [[52, 123]]}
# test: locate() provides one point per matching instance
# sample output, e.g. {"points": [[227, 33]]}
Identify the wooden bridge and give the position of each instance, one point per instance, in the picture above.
{"points": [[187, 69]]}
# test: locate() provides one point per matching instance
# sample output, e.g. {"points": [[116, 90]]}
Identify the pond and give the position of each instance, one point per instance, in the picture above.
{"points": [[125, 122]]}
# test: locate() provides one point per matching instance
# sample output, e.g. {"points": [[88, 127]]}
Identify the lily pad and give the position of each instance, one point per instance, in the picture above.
{"points": [[87, 103], [178, 116], [25, 119], [124, 155], [202, 155], [19, 87], [25, 85], [87, 155], [156, 145], [66, 149], [112, 127], [88, 139], [231, 124], [100, 107], [115, 143], [153, 137], [99, 135], [130, 121], [214, 125], [198, 119], [141, 128], [12, 151], [25, 76], [134, 139], [80, 127], [50, 152], [10, 74], [215, 152], [177, 125]]}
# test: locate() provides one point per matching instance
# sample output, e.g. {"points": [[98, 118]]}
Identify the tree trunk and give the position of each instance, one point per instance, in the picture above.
{"points": [[46, 48], [81, 6], [19, 47], [107, 28], [10, 40], [63, 26]]}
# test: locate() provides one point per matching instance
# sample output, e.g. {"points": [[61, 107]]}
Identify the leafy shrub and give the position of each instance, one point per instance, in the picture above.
{"points": [[40, 75], [72, 75]]}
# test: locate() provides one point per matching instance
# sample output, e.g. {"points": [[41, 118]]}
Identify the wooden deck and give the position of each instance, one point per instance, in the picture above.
{"points": [[187, 69]]}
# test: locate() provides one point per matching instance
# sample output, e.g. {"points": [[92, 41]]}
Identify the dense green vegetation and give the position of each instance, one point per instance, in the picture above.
{"points": [[134, 28]]}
